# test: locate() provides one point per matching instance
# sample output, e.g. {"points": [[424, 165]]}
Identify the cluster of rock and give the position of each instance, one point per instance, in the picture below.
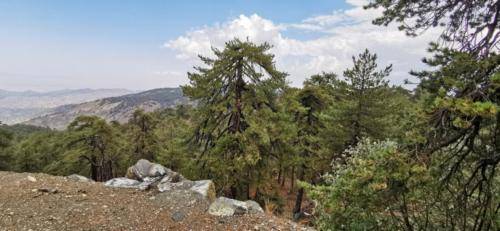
{"points": [[145, 175]]}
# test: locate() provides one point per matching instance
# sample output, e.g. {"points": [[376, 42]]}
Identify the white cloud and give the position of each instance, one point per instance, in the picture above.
{"points": [[358, 3], [341, 34], [200, 41]]}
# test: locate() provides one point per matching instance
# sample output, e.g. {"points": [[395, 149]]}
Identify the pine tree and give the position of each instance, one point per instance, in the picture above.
{"points": [[173, 130], [364, 105], [309, 124], [463, 139], [5, 140], [143, 139], [95, 141], [461, 100], [471, 26], [235, 92]]}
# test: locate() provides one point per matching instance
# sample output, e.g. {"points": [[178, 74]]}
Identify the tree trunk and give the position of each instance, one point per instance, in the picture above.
{"points": [[236, 123], [101, 172], [283, 178], [248, 185], [279, 175], [93, 168], [234, 192], [300, 193]]}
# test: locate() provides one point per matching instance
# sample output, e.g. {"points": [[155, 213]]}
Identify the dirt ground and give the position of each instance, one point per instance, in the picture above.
{"points": [[31, 201]]}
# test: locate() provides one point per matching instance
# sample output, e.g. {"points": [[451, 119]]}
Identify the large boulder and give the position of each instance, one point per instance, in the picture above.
{"points": [[143, 168], [253, 207], [205, 188], [166, 185], [223, 206]]}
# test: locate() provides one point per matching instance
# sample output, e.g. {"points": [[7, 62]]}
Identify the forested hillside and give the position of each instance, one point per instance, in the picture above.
{"points": [[346, 151], [17, 107], [119, 108]]}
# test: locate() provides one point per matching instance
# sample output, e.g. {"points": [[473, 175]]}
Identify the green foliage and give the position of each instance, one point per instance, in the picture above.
{"points": [[471, 25], [252, 134], [364, 106], [235, 105], [462, 106], [5, 139], [96, 143], [311, 154], [141, 128], [37, 152], [460, 98], [173, 131], [375, 187]]}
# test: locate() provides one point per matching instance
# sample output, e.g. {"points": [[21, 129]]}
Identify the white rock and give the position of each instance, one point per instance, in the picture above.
{"points": [[78, 178], [30, 178], [156, 170], [140, 169], [123, 182], [143, 169], [253, 207], [166, 185], [223, 206], [205, 188]]}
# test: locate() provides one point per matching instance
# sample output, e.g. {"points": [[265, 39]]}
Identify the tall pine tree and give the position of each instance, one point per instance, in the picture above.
{"points": [[93, 140], [235, 92], [309, 123], [363, 107]]}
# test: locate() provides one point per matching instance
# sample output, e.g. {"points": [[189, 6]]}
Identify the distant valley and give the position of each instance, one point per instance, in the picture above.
{"points": [[118, 108], [16, 107]]}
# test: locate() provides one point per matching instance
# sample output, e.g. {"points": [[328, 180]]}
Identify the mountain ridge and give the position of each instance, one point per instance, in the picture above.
{"points": [[19, 106], [118, 108]]}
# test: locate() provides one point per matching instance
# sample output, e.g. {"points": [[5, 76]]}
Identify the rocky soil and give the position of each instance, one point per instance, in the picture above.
{"points": [[43, 202]]}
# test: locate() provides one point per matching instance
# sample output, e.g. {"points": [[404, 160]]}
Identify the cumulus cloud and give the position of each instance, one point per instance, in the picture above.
{"points": [[200, 41], [341, 34]]}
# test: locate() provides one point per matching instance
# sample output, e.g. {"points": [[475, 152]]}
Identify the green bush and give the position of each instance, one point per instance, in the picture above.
{"points": [[372, 186]]}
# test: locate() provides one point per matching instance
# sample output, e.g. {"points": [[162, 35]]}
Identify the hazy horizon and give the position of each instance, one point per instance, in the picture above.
{"points": [[55, 45]]}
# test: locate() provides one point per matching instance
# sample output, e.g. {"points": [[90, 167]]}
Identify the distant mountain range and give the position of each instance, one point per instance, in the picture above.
{"points": [[118, 108], [16, 107]]}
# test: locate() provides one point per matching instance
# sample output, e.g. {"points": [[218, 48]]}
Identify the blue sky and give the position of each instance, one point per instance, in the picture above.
{"points": [[143, 21], [56, 44]]}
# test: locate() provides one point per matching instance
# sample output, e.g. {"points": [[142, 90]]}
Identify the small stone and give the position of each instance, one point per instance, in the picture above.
{"points": [[178, 216], [48, 190], [32, 179]]}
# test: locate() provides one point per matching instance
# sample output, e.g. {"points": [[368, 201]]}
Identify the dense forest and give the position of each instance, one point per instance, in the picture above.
{"points": [[349, 148]]}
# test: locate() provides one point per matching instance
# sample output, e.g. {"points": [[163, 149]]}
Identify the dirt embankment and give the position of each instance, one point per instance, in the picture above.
{"points": [[44, 202]]}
